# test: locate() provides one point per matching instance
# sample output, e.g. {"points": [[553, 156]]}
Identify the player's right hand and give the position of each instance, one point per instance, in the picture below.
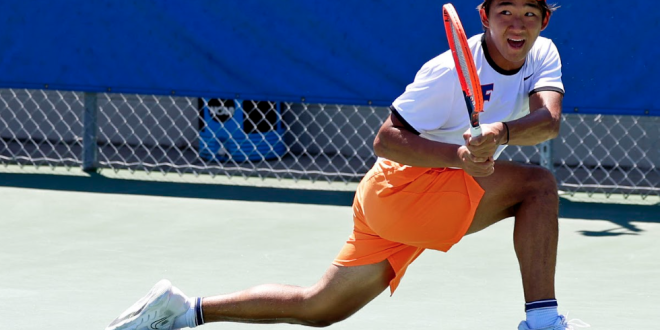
{"points": [[484, 146], [475, 166]]}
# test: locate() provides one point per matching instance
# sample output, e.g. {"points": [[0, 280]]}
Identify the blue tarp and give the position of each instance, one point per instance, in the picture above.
{"points": [[339, 51]]}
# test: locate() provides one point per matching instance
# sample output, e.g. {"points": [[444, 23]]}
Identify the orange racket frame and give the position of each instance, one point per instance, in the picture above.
{"points": [[471, 90]]}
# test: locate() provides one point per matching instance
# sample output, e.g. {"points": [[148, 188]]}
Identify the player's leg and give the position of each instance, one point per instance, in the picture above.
{"points": [[528, 193], [337, 295]]}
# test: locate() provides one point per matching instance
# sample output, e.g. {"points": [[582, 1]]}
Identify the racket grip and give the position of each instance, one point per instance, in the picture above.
{"points": [[475, 131]]}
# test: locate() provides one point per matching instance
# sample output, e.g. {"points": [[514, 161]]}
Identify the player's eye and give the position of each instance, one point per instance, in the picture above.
{"points": [[505, 12], [530, 14]]}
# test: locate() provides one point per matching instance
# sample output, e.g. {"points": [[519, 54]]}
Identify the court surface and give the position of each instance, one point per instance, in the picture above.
{"points": [[74, 255]]}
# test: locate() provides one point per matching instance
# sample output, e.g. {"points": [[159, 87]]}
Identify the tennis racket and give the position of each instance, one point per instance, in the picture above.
{"points": [[465, 67]]}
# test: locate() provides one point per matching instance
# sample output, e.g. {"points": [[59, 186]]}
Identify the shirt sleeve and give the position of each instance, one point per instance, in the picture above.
{"points": [[420, 106], [547, 76]]}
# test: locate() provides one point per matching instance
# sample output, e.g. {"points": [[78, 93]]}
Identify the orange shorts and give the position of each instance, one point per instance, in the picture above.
{"points": [[399, 211]]}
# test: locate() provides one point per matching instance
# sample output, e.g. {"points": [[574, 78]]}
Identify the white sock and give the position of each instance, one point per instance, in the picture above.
{"points": [[189, 318], [542, 313]]}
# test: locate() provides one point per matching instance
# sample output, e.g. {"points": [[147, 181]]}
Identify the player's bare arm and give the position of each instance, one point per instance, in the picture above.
{"points": [[393, 141], [540, 125]]}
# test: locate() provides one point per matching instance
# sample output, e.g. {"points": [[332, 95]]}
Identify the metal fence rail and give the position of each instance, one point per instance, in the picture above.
{"points": [[299, 141]]}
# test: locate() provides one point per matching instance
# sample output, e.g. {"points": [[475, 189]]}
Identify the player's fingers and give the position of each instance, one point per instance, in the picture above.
{"points": [[483, 151], [479, 140], [482, 172], [480, 163], [474, 158], [491, 165], [485, 168], [473, 140], [475, 165]]}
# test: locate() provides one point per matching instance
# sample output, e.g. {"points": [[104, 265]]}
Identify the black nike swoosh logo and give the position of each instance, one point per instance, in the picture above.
{"points": [[528, 76], [161, 321]]}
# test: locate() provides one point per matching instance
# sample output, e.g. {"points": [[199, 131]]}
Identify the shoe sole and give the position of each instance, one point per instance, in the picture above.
{"points": [[157, 296]]}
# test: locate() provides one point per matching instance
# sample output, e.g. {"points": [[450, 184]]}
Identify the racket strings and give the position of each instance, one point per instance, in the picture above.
{"points": [[463, 62], [464, 69]]}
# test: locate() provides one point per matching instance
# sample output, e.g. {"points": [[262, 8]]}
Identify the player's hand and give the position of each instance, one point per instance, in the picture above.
{"points": [[483, 147], [473, 167]]}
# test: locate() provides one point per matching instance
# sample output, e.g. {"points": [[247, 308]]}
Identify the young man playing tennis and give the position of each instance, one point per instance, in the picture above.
{"points": [[450, 186]]}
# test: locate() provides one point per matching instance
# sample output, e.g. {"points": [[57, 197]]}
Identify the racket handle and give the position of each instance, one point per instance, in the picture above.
{"points": [[475, 131]]}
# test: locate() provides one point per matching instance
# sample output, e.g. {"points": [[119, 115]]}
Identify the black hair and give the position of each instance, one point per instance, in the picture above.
{"points": [[546, 8]]}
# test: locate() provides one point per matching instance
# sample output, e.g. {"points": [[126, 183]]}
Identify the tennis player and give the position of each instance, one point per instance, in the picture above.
{"points": [[432, 184]]}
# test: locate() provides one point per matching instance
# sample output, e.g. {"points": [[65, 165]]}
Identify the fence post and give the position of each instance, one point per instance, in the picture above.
{"points": [[546, 155], [90, 130]]}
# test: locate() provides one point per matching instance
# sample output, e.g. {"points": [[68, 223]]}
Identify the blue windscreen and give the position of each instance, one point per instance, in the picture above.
{"points": [[319, 51]]}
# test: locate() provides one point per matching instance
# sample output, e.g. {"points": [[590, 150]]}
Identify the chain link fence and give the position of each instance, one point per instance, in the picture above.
{"points": [[296, 141]]}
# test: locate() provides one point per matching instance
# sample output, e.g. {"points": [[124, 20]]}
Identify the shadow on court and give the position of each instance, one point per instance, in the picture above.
{"points": [[622, 215], [96, 183]]}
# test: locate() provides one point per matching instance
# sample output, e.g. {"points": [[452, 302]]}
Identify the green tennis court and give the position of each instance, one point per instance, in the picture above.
{"points": [[76, 251]]}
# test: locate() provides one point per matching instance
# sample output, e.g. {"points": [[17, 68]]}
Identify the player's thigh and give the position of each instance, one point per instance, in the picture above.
{"points": [[344, 290], [507, 188]]}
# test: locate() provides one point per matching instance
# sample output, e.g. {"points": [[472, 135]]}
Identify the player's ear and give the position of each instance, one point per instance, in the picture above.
{"points": [[484, 17], [546, 20]]}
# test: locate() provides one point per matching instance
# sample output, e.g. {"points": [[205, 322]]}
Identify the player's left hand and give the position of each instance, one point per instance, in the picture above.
{"points": [[483, 147]]}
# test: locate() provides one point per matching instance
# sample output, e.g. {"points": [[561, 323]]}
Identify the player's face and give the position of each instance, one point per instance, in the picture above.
{"points": [[512, 28]]}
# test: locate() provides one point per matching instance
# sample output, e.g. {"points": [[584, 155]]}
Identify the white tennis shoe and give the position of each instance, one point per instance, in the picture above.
{"points": [[560, 324], [155, 311]]}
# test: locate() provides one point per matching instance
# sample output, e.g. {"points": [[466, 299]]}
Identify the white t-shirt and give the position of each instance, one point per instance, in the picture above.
{"points": [[434, 106]]}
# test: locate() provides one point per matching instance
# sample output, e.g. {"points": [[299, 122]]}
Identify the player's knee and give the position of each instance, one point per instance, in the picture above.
{"points": [[325, 312], [325, 317], [325, 321], [541, 182]]}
